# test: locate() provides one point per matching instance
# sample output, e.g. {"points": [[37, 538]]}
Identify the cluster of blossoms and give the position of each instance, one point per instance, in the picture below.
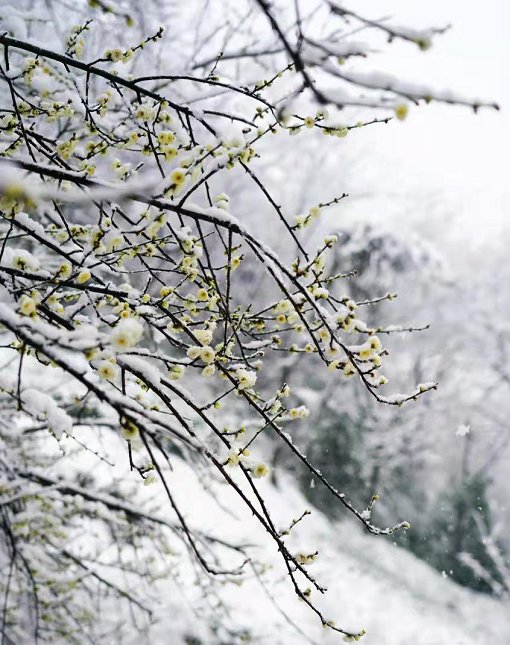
{"points": [[75, 41], [117, 55]]}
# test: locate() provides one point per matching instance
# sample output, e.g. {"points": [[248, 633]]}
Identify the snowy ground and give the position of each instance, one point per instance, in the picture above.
{"points": [[372, 585]]}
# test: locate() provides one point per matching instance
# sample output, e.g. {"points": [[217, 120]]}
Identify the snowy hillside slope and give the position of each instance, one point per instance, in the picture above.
{"points": [[372, 584]]}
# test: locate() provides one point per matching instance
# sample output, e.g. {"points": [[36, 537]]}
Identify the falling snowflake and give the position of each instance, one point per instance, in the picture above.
{"points": [[463, 430]]}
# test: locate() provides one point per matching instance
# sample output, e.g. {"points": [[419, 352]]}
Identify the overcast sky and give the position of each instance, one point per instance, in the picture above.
{"points": [[444, 170]]}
